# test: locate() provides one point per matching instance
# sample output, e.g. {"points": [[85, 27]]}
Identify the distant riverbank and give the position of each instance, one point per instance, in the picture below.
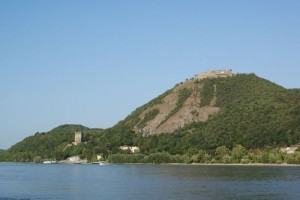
{"points": [[209, 164], [248, 164], [184, 164]]}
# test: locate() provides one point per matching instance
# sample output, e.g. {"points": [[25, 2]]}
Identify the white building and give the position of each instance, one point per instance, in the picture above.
{"points": [[74, 159], [289, 150], [133, 149]]}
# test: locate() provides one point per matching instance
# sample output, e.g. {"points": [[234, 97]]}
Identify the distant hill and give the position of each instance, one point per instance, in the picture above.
{"points": [[49, 144], [194, 115], [2, 150]]}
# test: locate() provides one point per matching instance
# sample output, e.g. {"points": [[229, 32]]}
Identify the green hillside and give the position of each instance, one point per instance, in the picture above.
{"points": [[47, 144], [253, 112], [53, 144], [242, 118]]}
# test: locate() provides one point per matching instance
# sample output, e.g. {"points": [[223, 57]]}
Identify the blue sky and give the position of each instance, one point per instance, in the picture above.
{"points": [[94, 62]]}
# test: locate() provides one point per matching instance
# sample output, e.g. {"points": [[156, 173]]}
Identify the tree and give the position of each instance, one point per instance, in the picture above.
{"points": [[226, 158], [238, 152], [37, 159], [221, 152]]}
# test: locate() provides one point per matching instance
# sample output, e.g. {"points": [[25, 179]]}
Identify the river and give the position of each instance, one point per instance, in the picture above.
{"points": [[61, 181]]}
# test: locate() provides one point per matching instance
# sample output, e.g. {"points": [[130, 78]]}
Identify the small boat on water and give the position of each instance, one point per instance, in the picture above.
{"points": [[103, 163], [100, 163], [50, 162]]}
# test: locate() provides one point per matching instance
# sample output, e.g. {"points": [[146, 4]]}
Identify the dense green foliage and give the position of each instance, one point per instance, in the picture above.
{"points": [[54, 144], [255, 113], [48, 145], [165, 148], [207, 93], [256, 118], [237, 154], [156, 158]]}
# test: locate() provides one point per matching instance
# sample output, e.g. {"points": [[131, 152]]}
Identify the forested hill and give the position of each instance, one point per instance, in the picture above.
{"points": [[2, 150], [254, 112], [194, 115], [242, 109], [48, 144]]}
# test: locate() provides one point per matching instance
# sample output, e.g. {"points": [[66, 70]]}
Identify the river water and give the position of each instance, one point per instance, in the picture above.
{"points": [[58, 181]]}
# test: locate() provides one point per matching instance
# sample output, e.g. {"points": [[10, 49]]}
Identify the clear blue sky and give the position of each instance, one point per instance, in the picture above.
{"points": [[93, 62]]}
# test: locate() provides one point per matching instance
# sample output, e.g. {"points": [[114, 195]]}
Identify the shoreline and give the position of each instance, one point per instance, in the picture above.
{"points": [[214, 164], [178, 164], [248, 164]]}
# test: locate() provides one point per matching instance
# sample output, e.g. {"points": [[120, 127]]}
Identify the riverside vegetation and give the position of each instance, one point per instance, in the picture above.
{"points": [[256, 119]]}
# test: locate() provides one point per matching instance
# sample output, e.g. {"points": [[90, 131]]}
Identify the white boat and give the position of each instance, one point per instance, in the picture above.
{"points": [[103, 163], [50, 162]]}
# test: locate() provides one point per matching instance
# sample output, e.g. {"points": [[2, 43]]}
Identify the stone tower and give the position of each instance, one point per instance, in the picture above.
{"points": [[78, 137]]}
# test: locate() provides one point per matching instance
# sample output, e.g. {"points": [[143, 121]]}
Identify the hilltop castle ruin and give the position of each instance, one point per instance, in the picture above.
{"points": [[77, 140], [78, 137], [214, 74]]}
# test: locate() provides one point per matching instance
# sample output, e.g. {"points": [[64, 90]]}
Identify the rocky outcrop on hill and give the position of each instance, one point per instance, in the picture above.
{"points": [[181, 106]]}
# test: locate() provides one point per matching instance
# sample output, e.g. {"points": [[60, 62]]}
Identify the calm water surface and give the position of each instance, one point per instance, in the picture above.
{"points": [[41, 181]]}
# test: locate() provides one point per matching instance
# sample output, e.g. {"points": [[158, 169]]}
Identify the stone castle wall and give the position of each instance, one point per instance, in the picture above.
{"points": [[214, 74]]}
